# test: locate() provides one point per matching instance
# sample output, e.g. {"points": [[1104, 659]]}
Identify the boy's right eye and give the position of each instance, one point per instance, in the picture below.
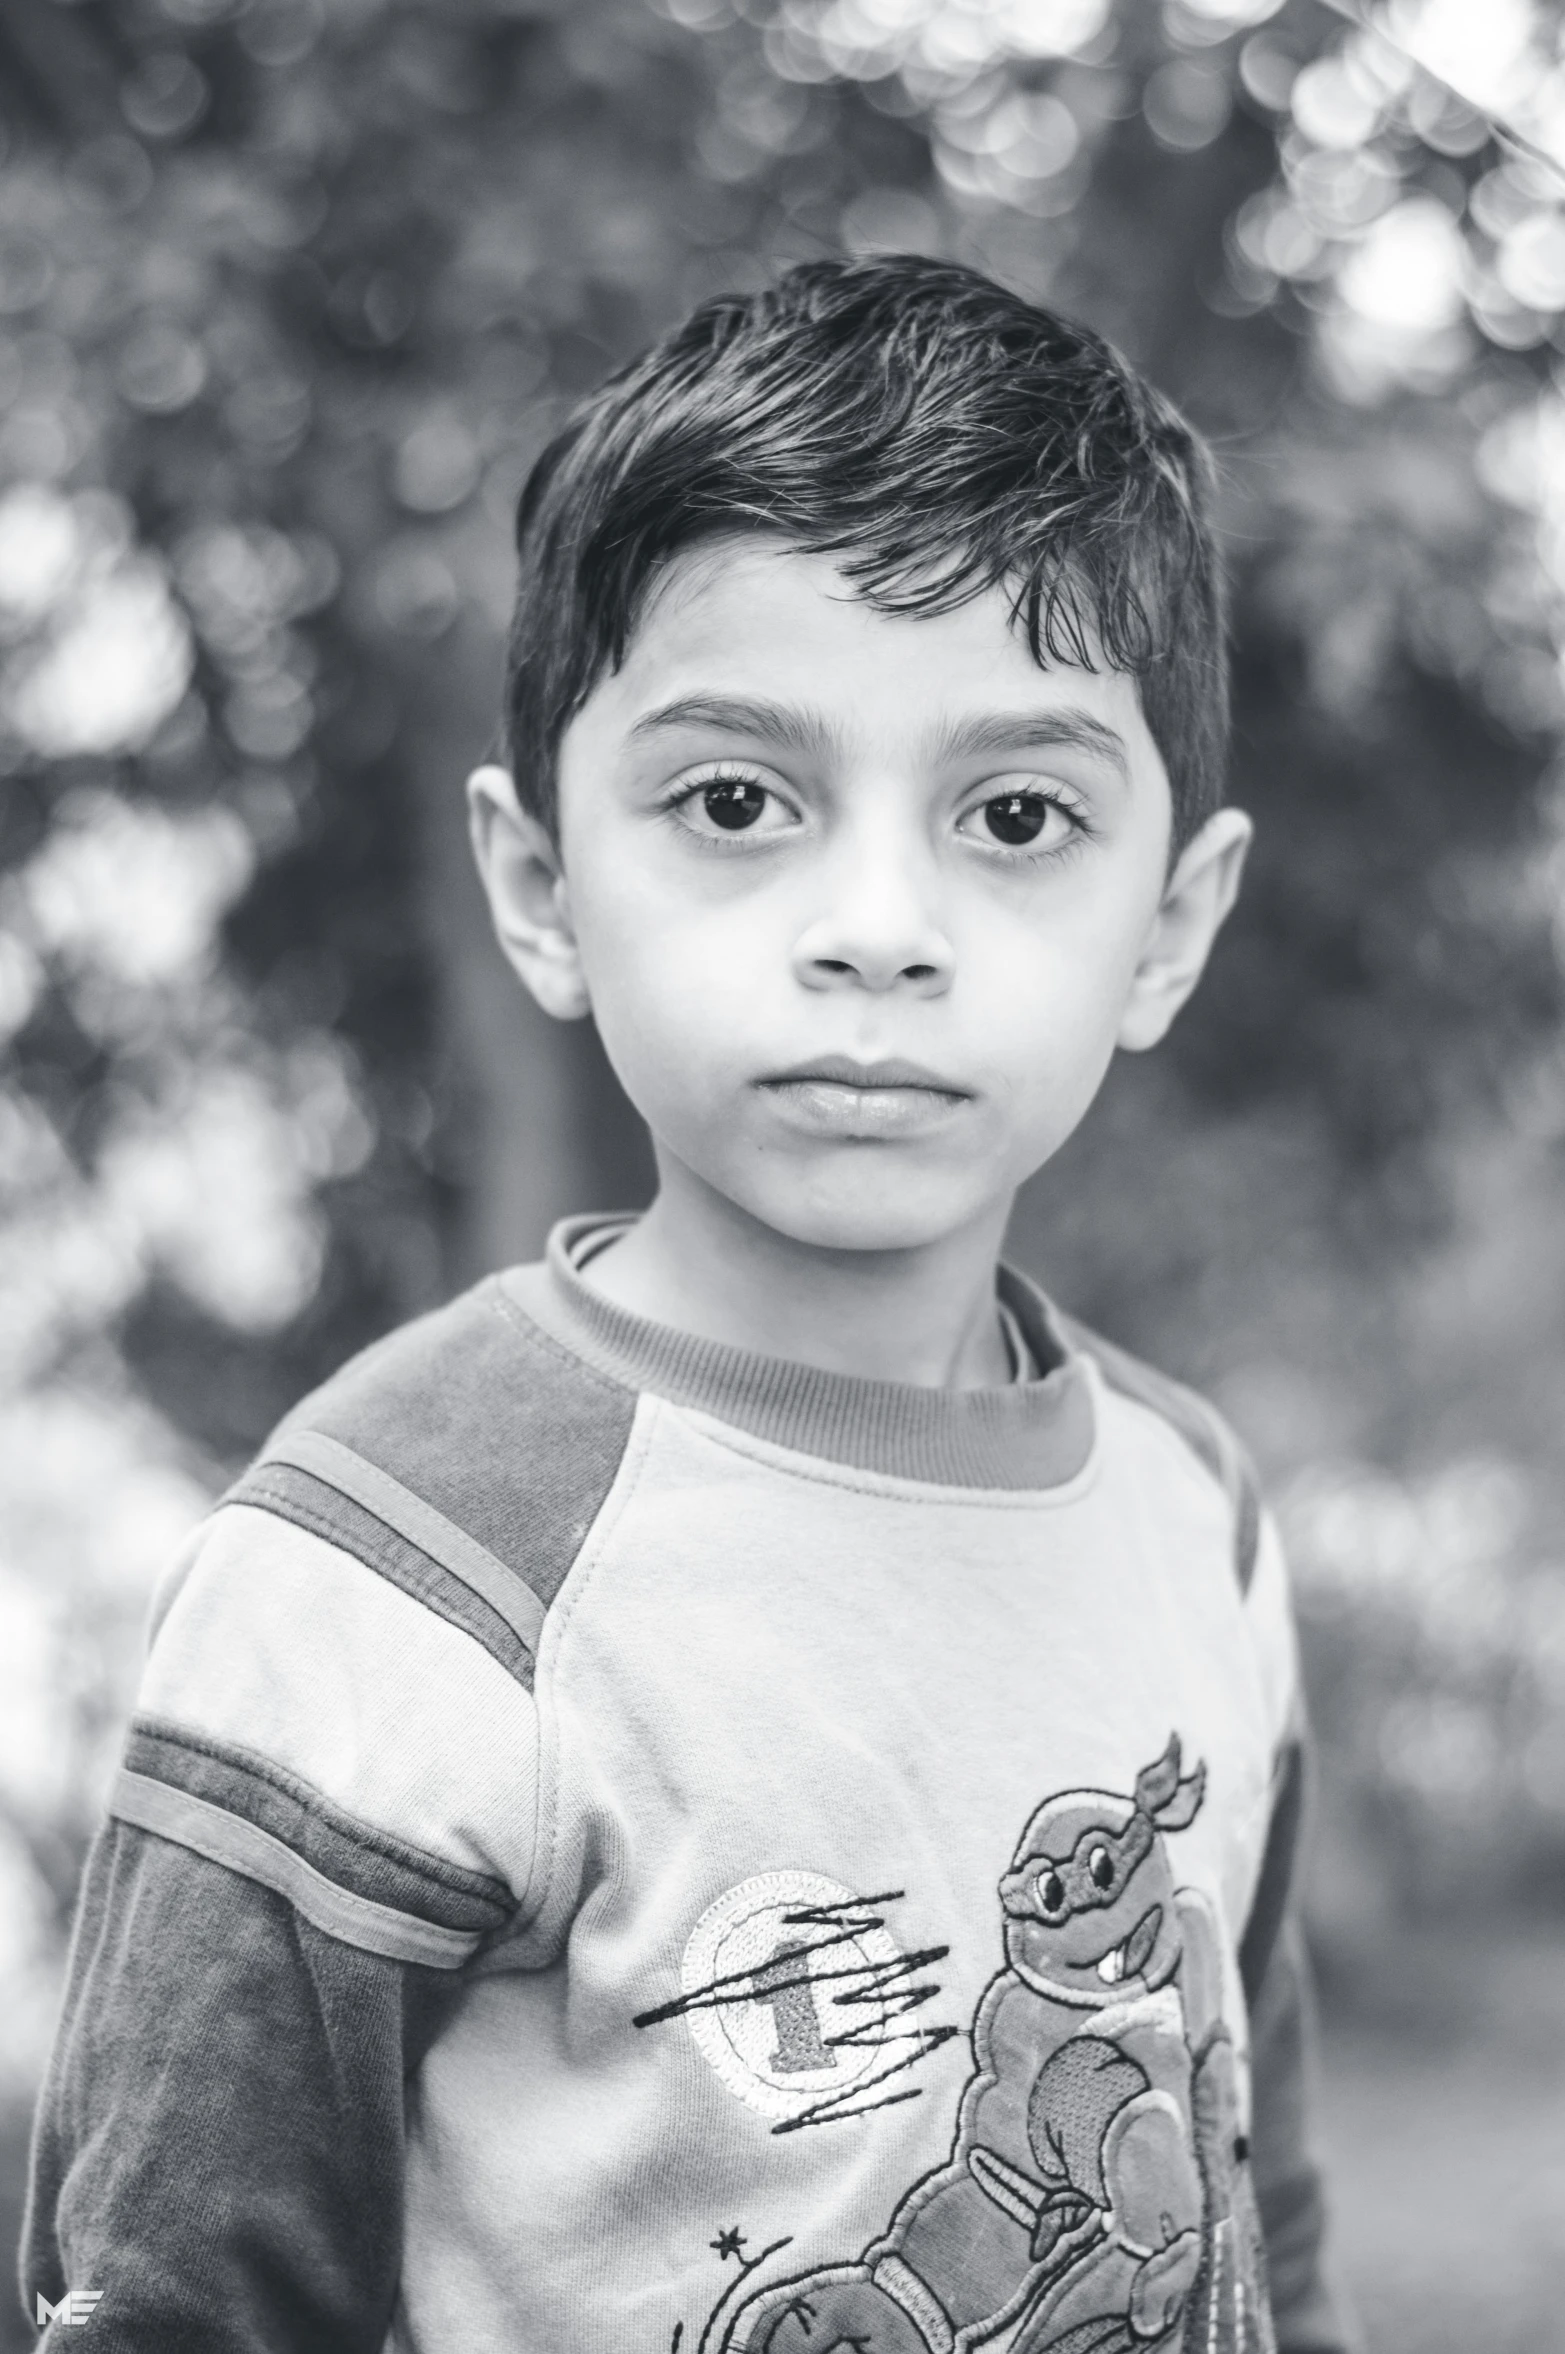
{"points": [[718, 806]]}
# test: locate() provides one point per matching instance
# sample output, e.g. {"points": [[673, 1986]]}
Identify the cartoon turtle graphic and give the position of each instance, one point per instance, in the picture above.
{"points": [[1096, 2199]]}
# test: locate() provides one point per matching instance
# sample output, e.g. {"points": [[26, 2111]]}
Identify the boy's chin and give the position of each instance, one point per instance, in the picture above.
{"points": [[871, 1211]]}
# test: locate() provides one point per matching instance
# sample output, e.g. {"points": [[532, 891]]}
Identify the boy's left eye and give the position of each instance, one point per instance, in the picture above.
{"points": [[1020, 820]]}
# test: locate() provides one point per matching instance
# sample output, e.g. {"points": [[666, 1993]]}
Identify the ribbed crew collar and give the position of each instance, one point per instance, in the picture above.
{"points": [[1028, 1435]]}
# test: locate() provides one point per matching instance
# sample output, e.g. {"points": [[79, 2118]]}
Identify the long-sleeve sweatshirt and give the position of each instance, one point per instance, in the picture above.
{"points": [[632, 1847]]}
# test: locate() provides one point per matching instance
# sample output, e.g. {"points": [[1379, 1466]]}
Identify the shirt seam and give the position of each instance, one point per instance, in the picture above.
{"points": [[557, 1627], [513, 1314], [889, 1486]]}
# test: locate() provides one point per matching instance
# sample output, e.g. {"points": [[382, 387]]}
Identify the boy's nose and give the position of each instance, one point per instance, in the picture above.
{"points": [[878, 933]]}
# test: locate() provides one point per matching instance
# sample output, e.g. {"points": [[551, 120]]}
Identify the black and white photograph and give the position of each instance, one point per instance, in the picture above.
{"points": [[782, 1176]]}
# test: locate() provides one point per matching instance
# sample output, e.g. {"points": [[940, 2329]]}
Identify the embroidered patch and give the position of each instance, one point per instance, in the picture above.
{"points": [[1096, 2199], [799, 1998]]}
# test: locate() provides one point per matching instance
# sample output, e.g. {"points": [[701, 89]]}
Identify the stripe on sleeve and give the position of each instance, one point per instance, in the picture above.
{"points": [[325, 1510], [243, 1847], [340, 1467], [358, 1856]]}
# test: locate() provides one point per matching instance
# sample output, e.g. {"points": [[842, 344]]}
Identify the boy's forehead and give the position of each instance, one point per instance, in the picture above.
{"points": [[752, 619]]}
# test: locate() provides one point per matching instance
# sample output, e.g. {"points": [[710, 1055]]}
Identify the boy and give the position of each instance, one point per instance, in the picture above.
{"points": [[737, 1789]]}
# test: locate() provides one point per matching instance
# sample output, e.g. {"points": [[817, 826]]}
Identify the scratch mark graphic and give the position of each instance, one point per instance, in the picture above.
{"points": [[891, 1988]]}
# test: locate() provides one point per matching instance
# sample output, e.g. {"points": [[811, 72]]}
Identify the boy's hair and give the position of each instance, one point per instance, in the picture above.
{"points": [[933, 434]]}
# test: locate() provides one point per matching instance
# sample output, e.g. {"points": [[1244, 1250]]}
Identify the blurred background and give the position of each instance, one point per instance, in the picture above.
{"points": [[291, 293]]}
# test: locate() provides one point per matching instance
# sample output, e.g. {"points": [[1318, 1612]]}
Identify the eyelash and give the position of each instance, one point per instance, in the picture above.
{"points": [[717, 776]]}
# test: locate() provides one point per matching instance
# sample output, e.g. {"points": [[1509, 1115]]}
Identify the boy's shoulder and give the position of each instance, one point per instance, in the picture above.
{"points": [[1190, 1427], [437, 1391], [463, 1455], [1192, 1419]]}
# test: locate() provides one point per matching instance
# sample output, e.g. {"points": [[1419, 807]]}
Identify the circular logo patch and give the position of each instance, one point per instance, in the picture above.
{"points": [[794, 1993]]}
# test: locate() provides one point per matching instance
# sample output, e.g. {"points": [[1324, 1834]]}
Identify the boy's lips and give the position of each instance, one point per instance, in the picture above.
{"points": [[835, 1096]]}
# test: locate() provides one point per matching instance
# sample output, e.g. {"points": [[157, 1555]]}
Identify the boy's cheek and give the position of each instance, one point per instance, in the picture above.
{"points": [[713, 985], [628, 919], [680, 1066]]}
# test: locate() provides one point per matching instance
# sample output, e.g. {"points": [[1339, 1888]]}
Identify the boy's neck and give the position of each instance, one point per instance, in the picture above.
{"points": [[700, 1263]]}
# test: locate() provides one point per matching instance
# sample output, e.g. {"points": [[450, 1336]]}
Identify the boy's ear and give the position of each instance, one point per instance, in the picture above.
{"points": [[1198, 894], [525, 886]]}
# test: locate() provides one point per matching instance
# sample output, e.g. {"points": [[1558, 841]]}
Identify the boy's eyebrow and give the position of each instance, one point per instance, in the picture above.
{"points": [[1031, 731], [739, 715], [801, 731]]}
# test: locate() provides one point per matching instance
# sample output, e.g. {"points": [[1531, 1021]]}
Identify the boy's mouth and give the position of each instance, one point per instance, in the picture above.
{"points": [[836, 1096]]}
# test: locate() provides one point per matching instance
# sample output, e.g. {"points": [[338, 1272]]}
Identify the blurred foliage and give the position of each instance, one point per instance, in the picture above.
{"points": [[1438, 1640], [292, 291]]}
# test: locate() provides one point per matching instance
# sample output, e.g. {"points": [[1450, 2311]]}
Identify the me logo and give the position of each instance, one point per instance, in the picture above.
{"points": [[73, 2309]]}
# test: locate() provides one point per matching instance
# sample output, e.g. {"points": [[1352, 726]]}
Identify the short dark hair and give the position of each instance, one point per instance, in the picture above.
{"points": [[934, 434]]}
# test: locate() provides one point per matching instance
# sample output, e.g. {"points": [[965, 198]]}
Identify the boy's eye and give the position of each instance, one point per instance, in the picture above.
{"points": [[732, 805], [1016, 817], [1020, 820]]}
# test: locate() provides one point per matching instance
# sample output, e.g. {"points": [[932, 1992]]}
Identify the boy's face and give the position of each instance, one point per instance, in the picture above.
{"points": [[862, 903]]}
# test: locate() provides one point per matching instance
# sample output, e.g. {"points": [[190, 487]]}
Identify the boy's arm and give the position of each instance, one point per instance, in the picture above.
{"points": [[324, 1813], [219, 2145], [1307, 2307]]}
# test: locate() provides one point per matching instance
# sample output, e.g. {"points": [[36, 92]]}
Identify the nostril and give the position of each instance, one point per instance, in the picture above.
{"points": [[833, 964], [919, 972]]}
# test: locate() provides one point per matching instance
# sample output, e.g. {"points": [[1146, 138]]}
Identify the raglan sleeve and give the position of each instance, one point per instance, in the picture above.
{"points": [[322, 1816], [1309, 2308]]}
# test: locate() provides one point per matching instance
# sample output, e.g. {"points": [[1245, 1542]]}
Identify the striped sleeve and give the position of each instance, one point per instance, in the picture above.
{"points": [[338, 1702], [325, 1811], [312, 1723], [219, 2143]]}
